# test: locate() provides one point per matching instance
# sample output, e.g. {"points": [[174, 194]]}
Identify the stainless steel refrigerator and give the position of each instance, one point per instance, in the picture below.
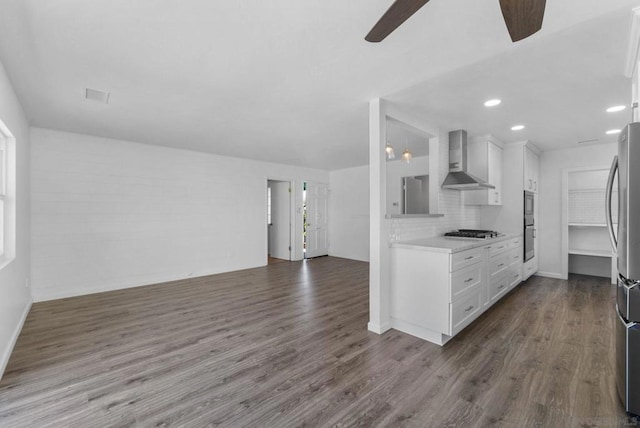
{"points": [[626, 244]]}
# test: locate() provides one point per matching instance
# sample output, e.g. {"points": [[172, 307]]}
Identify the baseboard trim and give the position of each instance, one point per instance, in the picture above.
{"points": [[378, 328], [14, 338], [421, 332], [349, 257], [549, 274], [45, 295]]}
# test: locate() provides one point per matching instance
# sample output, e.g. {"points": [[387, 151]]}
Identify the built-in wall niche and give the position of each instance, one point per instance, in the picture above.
{"points": [[410, 192], [589, 250]]}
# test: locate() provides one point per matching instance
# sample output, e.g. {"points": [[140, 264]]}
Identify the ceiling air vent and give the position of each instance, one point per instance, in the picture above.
{"points": [[593, 140], [96, 95]]}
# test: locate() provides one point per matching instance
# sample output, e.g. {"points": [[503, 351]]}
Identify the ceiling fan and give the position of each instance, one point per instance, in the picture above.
{"points": [[523, 17]]}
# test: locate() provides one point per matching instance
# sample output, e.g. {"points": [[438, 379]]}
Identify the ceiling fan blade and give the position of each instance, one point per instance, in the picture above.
{"points": [[523, 17], [400, 11]]}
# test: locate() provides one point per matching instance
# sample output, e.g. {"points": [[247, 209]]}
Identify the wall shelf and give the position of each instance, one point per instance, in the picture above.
{"points": [[388, 216], [590, 225], [590, 252], [585, 236]]}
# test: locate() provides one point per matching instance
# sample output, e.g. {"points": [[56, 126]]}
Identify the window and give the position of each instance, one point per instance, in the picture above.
{"points": [[3, 193], [7, 196]]}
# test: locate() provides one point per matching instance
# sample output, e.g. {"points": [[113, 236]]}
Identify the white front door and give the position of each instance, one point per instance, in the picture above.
{"points": [[317, 203], [280, 226]]}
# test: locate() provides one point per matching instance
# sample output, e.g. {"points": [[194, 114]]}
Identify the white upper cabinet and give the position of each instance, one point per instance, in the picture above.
{"points": [[485, 162], [531, 170]]}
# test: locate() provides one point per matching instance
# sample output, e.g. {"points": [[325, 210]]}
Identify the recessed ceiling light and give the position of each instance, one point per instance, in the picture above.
{"points": [[615, 109], [613, 131], [492, 103], [517, 128]]}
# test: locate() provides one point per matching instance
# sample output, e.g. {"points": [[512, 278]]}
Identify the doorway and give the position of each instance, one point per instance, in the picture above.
{"points": [[586, 247], [315, 198], [278, 220]]}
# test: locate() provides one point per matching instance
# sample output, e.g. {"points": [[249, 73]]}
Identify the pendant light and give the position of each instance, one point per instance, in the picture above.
{"points": [[406, 155], [389, 151]]}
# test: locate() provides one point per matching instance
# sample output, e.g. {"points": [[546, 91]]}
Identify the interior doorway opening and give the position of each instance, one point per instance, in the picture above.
{"points": [[278, 221], [586, 247], [315, 219]]}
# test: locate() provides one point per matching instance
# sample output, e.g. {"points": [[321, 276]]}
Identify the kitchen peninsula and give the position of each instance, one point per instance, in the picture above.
{"points": [[440, 285]]}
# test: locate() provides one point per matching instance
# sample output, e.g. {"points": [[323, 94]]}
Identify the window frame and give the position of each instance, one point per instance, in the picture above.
{"points": [[7, 196], [3, 195]]}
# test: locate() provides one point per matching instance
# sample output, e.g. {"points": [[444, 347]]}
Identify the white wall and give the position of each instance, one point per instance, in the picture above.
{"points": [[110, 214], [349, 213], [15, 298], [550, 197], [397, 169]]}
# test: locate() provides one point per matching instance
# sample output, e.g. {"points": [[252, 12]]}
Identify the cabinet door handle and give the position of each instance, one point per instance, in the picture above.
{"points": [[530, 183], [469, 308], [501, 287], [468, 258], [516, 276], [501, 264], [535, 185], [468, 280]]}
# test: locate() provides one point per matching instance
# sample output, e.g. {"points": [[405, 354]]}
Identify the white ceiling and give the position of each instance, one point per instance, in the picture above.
{"points": [[558, 88], [289, 81]]}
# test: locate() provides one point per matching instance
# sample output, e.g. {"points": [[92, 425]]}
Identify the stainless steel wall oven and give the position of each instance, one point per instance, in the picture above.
{"points": [[529, 227]]}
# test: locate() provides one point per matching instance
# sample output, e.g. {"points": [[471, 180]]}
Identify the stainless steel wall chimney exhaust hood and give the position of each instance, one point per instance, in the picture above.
{"points": [[458, 177]]}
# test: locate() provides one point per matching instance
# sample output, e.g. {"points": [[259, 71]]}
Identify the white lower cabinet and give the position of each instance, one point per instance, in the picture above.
{"points": [[465, 310], [436, 293], [530, 267], [498, 288], [465, 279]]}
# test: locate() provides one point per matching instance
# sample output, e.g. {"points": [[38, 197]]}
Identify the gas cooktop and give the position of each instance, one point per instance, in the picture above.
{"points": [[472, 233]]}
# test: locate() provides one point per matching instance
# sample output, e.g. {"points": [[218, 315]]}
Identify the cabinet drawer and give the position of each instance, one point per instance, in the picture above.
{"points": [[514, 275], [498, 247], [515, 256], [465, 279], [515, 243], [465, 258], [465, 310], [528, 269], [499, 287], [498, 264]]}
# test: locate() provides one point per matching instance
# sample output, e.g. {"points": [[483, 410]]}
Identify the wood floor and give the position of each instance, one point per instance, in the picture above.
{"points": [[287, 345]]}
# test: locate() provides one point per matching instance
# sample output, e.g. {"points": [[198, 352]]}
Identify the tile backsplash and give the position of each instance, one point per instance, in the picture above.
{"points": [[456, 216], [588, 206]]}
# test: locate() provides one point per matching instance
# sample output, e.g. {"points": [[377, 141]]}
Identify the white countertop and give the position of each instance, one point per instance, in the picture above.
{"points": [[442, 244]]}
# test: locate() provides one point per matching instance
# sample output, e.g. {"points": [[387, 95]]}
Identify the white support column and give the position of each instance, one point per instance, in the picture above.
{"points": [[380, 227], [379, 293], [634, 95], [633, 63], [635, 85]]}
